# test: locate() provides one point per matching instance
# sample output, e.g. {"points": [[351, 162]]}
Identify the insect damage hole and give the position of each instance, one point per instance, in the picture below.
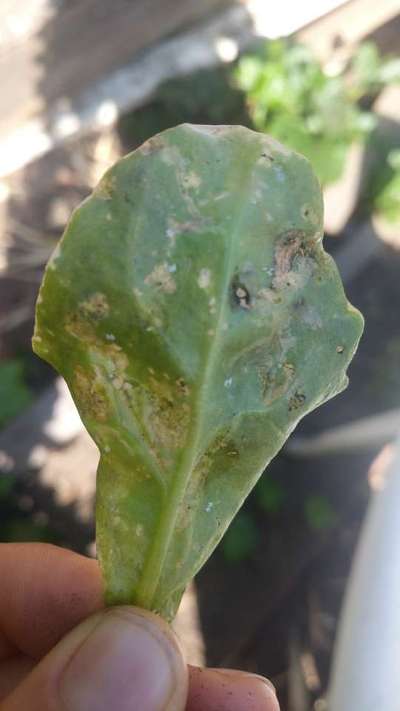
{"points": [[240, 294]]}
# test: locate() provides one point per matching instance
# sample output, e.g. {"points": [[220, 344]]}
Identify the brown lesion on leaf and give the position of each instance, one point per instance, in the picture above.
{"points": [[290, 246], [165, 417], [152, 145], [308, 213], [287, 248], [275, 380], [77, 324], [162, 279], [240, 295], [106, 188], [225, 445], [168, 423], [182, 387], [95, 307], [267, 156], [92, 397], [296, 401]]}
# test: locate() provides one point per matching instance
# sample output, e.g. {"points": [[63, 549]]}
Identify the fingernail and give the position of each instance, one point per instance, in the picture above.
{"points": [[125, 663]]}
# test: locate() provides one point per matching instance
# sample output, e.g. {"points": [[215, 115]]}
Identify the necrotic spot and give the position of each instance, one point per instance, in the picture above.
{"points": [[240, 295]]}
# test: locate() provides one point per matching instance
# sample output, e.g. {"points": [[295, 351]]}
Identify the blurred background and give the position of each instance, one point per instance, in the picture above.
{"points": [[83, 82]]}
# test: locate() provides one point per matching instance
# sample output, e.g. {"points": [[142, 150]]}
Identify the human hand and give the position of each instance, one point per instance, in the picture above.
{"points": [[60, 651]]}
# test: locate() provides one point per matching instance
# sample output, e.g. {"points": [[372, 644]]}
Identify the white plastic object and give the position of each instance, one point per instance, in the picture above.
{"points": [[366, 667]]}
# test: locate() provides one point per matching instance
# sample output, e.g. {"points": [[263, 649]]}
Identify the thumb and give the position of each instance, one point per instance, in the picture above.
{"points": [[123, 659]]}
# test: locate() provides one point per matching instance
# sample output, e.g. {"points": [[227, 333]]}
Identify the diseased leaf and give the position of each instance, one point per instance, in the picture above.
{"points": [[196, 318]]}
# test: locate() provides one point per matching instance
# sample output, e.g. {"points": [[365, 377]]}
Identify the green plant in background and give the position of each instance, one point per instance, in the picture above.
{"points": [[369, 72], [319, 513], [292, 97], [387, 200], [6, 485], [241, 538], [202, 320], [15, 395], [270, 495]]}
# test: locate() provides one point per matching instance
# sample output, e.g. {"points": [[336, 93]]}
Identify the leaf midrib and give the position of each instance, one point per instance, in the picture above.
{"points": [[146, 590]]}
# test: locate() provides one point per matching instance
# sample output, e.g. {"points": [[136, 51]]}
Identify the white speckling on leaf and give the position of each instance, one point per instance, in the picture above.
{"points": [[209, 507], [312, 318], [107, 449], [204, 278], [192, 180], [221, 196], [228, 382], [171, 268], [139, 529], [137, 291], [280, 175], [171, 155], [257, 197], [110, 337]]}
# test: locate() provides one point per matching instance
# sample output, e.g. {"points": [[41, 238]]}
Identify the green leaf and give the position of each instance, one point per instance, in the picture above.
{"points": [[196, 318], [240, 539], [15, 395]]}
